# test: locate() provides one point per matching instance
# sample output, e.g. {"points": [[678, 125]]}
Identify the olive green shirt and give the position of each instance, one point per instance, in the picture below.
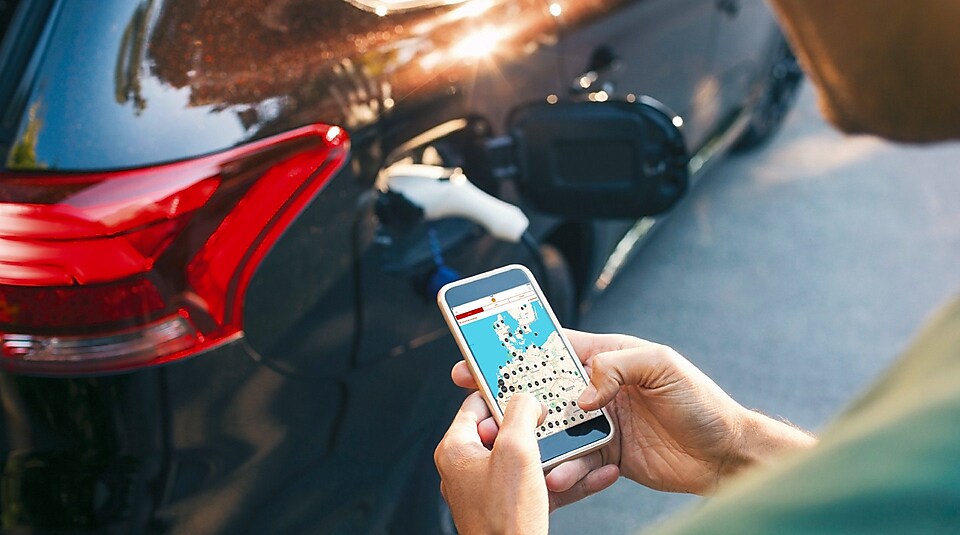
{"points": [[889, 464]]}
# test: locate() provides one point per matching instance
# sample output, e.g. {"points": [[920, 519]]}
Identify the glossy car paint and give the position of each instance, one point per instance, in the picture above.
{"points": [[324, 418]]}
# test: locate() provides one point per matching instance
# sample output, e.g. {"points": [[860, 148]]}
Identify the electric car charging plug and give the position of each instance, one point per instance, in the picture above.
{"points": [[436, 192], [444, 192]]}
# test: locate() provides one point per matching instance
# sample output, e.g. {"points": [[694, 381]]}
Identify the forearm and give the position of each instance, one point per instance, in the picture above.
{"points": [[761, 440]]}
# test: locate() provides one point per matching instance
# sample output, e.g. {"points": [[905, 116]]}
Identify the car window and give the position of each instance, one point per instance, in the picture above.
{"points": [[22, 23], [383, 7], [89, 99], [7, 7]]}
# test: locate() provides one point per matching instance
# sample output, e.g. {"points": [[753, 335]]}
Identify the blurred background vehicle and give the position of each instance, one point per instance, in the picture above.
{"points": [[215, 314]]}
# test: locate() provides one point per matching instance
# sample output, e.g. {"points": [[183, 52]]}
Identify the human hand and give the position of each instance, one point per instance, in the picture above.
{"points": [[498, 490], [677, 430]]}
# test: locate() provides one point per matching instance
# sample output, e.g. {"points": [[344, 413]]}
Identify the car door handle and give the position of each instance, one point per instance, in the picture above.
{"points": [[602, 62]]}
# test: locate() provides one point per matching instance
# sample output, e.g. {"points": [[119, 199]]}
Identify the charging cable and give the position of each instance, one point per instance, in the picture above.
{"points": [[446, 192]]}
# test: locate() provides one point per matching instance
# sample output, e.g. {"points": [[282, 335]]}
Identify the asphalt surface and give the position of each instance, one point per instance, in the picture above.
{"points": [[792, 275]]}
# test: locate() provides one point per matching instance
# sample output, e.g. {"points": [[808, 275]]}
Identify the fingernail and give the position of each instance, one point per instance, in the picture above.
{"points": [[589, 395]]}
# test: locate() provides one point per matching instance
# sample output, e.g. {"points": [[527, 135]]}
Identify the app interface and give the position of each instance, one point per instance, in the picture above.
{"points": [[518, 349]]}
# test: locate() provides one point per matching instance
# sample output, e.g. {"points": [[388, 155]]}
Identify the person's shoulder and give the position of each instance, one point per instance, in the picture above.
{"points": [[929, 367]]}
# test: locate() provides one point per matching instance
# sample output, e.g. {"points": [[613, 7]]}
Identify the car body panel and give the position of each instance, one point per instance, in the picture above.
{"points": [[203, 77], [324, 416], [740, 49], [661, 47]]}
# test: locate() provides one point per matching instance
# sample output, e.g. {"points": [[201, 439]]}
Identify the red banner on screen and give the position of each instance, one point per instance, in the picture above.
{"points": [[469, 313]]}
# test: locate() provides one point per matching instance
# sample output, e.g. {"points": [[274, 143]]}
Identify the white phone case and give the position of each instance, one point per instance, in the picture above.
{"points": [[489, 396]]}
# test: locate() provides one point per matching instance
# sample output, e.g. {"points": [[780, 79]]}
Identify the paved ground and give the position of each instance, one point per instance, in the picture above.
{"points": [[793, 276]]}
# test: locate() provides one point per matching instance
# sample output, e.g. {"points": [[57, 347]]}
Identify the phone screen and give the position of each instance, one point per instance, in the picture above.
{"points": [[518, 349]]}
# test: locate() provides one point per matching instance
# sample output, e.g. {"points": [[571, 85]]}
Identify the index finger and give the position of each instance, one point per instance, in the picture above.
{"points": [[586, 345], [582, 343], [462, 377]]}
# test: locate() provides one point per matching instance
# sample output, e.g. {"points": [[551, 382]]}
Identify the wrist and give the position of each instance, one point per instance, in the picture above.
{"points": [[761, 439]]}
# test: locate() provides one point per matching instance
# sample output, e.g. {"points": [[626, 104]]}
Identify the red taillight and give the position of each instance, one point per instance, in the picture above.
{"points": [[108, 271]]}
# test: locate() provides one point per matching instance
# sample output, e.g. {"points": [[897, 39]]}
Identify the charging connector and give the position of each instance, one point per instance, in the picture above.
{"points": [[446, 192]]}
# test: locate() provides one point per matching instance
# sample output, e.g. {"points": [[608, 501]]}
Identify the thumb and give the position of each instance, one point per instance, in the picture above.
{"points": [[520, 421], [645, 366]]}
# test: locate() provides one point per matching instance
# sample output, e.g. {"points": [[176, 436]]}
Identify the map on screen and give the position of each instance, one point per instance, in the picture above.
{"points": [[518, 349]]}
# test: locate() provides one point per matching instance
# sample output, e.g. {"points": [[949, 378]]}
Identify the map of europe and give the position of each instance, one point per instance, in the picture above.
{"points": [[518, 350]]}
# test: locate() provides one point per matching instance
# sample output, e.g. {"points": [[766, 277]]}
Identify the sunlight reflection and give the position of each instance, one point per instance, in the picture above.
{"points": [[472, 9], [479, 44]]}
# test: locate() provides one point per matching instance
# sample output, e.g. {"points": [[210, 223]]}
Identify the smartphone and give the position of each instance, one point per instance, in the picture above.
{"points": [[512, 343]]}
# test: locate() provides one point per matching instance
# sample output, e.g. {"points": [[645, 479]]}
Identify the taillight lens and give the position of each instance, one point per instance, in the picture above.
{"points": [[109, 271]]}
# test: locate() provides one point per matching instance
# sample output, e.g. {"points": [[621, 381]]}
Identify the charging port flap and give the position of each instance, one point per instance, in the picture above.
{"points": [[600, 160]]}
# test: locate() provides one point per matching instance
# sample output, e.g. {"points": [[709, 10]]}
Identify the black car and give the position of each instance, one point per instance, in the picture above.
{"points": [[217, 316]]}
